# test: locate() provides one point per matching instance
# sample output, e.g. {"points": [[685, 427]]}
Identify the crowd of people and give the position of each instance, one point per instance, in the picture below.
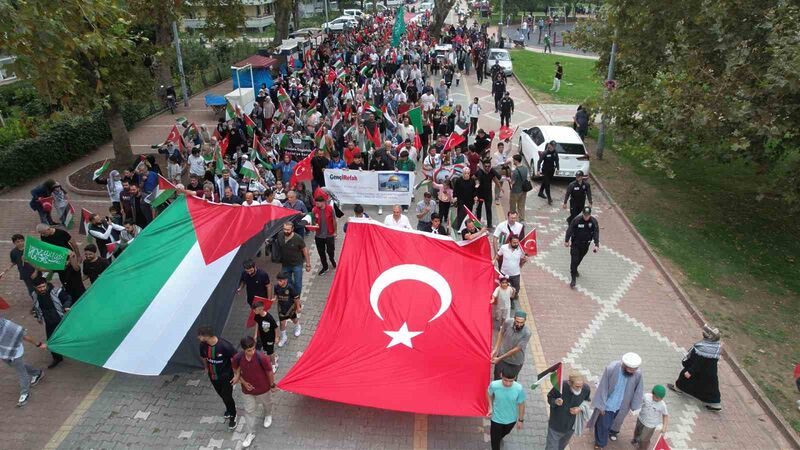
{"points": [[347, 105]]}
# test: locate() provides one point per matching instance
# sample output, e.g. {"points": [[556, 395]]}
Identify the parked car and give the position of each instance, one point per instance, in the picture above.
{"points": [[502, 57], [572, 154], [394, 3], [305, 33], [340, 23], [357, 13]]}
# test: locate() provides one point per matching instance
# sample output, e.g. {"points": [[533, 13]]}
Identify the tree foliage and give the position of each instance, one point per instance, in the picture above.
{"points": [[80, 55], [718, 80], [440, 10]]}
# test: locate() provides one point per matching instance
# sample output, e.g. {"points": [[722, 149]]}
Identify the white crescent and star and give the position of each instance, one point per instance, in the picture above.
{"points": [[410, 272]]}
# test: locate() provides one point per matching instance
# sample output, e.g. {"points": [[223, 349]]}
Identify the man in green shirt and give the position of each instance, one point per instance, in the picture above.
{"points": [[405, 163], [506, 408]]}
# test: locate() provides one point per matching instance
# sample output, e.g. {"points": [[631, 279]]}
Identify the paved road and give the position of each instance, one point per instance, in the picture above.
{"points": [[621, 304]]}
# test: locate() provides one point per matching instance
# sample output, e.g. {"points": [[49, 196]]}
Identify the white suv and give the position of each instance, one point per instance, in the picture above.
{"points": [[572, 154]]}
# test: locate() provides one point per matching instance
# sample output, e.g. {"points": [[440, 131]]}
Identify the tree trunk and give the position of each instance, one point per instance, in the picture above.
{"points": [[123, 153], [283, 9], [164, 42], [296, 14], [440, 11]]}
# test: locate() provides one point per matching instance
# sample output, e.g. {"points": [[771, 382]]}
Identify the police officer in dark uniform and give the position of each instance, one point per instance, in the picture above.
{"points": [[547, 166], [580, 234], [506, 109], [577, 193], [498, 89]]}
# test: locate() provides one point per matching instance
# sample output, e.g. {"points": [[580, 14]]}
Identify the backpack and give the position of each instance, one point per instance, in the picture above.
{"points": [[238, 359]]}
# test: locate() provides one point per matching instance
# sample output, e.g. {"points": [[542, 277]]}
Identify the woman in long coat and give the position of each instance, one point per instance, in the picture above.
{"points": [[699, 375]]}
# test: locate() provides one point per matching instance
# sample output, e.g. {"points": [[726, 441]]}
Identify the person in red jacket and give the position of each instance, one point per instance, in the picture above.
{"points": [[325, 238]]}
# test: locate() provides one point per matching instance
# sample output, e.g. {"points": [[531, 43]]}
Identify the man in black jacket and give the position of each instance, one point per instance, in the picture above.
{"points": [[580, 234], [466, 194], [547, 166], [577, 193], [435, 227], [564, 410], [51, 303]]}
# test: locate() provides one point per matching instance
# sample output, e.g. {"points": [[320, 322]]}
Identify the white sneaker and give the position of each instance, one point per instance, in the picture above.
{"points": [[297, 330], [283, 340], [275, 366], [380, 209], [23, 399], [267, 421], [248, 440]]}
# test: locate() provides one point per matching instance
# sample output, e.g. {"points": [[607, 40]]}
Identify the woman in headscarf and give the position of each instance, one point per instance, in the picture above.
{"points": [[113, 187], [699, 375]]}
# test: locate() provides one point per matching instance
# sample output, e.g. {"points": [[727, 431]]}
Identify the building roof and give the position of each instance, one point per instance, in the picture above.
{"points": [[257, 61]]}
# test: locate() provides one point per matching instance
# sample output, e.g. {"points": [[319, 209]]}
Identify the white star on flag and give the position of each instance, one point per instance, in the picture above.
{"points": [[402, 336]]}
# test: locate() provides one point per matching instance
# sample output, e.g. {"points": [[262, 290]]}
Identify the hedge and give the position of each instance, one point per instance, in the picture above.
{"points": [[59, 143]]}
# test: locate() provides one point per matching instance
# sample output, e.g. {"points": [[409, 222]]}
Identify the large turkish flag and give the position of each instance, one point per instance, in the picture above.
{"points": [[407, 325]]}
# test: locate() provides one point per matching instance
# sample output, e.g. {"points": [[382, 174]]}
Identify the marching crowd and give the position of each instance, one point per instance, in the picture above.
{"points": [[353, 102]]}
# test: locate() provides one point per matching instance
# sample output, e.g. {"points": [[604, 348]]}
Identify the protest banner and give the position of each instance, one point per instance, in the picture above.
{"points": [[370, 188]]}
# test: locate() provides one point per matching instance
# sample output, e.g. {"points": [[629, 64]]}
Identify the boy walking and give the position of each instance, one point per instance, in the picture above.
{"points": [[288, 306], [253, 371], [266, 327], [653, 413]]}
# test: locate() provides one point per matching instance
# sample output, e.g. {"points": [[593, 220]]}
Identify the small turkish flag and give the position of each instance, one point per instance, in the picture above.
{"points": [[529, 244], [422, 342], [251, 318], [175, 136], [661, 444], [302, 171]]}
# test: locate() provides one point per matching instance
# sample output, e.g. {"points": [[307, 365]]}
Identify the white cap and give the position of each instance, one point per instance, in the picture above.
{"points": [[632, 360]]}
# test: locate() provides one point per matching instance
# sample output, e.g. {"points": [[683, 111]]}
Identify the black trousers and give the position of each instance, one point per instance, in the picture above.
{"points": [[460, 213], [51, 321], [323, 245], [444, 211], [498, 431], [576, 252], [575, 210], [224, 389], [485, 202], [505, 119], [473, 125], [547, 178], [497, 102]]}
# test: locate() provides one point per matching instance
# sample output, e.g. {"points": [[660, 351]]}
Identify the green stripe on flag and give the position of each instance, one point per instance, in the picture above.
{"points": [[93, 331], [415, 116]]}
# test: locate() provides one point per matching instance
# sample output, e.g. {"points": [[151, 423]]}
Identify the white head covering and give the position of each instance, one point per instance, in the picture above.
{"points": [[632, 360]]}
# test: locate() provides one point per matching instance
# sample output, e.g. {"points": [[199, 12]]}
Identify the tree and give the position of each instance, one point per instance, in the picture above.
{"points": [[717, 81], [80, 55], [283, 9], [440, 11]]}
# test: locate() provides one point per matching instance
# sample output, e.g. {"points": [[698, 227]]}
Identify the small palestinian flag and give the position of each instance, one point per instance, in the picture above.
{"points": [[249, 170], [338, 64], [415, 117], [553, 373], [423, 184], [341, 74], [369, 108], [177, 276], [111, 247], [283, 140], [70, 219], [99, 172], [250, 125], [218, 164], [163, 192], [365, 70], [86, 217], [470, 217], [223, 145], [282, 95], [278, 116], [230, 112], [311, 224]]}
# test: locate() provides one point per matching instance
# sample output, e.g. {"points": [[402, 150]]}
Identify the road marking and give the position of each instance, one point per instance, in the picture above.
{"points": [[420, 432], [77, 414]]}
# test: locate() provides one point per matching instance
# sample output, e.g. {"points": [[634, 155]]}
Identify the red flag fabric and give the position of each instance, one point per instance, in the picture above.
{"points": [[302, 171], [318, 192], [417, 142], [86, 215], [4, 304], [223, 146], [505, 133], [175, 136], [453, 141], [796, 372], [251, 318], [661, 444], [529, 244], [217, 135], [111, 247], [374, 136], [422, 343]]}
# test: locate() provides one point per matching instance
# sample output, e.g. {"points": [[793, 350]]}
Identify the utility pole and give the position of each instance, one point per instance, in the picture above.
{"points": [[601, 136], [326, 11], [500, 24], [180, 63]]}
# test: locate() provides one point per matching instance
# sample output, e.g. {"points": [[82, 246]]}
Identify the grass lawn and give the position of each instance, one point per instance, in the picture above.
{"points": [[536, 70], [736, 256]]}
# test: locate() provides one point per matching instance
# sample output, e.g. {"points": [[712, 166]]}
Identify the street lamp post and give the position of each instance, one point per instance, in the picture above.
{"points": [[179, 59]]}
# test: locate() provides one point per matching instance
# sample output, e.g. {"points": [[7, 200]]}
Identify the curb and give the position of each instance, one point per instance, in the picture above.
{"points": [[92, 193], [759, 395]]}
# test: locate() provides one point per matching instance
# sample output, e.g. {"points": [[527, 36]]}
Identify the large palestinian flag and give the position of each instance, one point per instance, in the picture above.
{"points": [[141, 315]]}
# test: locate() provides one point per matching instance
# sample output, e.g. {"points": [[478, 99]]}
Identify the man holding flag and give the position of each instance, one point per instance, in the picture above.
{"points": [[565, 400], [509, 351]]}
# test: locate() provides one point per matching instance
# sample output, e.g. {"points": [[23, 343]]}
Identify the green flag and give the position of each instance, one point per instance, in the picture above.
{"points": [[99, 172], [415, 116], [45, 256], [399, 28]]}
